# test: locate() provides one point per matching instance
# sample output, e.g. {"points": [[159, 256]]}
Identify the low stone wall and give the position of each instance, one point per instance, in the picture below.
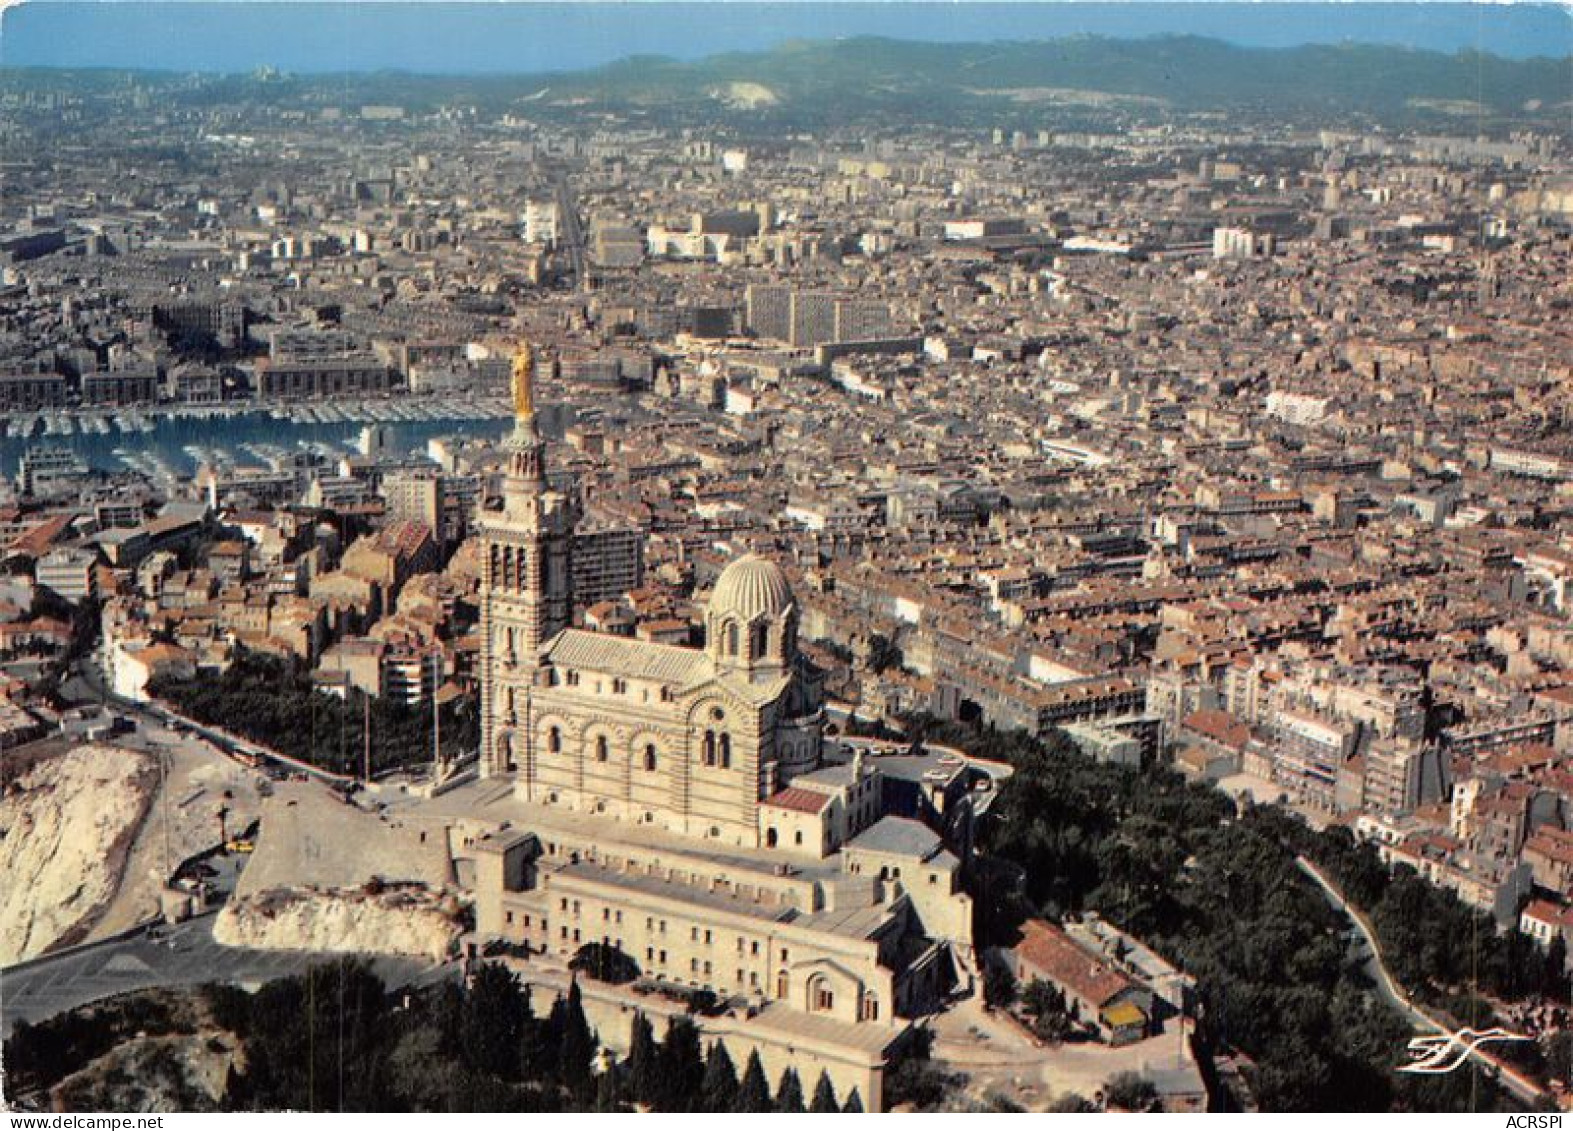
{"points": [[611, 1012]]}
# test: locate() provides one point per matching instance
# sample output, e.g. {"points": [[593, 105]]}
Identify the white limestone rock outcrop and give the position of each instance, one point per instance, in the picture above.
{"points": [[66, 824], [332, 877], [404, 920]]}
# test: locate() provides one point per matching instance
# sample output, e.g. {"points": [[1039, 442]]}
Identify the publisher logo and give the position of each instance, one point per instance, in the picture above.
{"points": [[1441, 1053]]}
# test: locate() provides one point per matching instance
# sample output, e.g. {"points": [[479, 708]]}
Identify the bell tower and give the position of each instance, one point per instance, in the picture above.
{"points": [[527, 586]]}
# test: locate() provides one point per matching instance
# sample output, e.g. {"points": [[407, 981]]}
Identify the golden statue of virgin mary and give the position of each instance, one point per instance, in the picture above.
{"points": [[523, 382]]}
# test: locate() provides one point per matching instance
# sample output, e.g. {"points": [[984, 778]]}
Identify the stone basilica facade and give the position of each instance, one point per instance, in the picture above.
{"points": [[687, 740]]}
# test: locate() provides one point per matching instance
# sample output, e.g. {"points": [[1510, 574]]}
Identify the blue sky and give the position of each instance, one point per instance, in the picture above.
{"points": [[441, 37]]}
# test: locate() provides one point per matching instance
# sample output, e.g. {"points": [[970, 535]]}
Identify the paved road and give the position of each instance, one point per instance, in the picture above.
{"points": [[1521, 1086], [570, 231], [188, 956], [1386, 986], [85, 685]]}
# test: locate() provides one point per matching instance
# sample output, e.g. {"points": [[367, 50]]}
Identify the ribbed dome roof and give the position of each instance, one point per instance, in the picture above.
{"points": [[751, 587]]}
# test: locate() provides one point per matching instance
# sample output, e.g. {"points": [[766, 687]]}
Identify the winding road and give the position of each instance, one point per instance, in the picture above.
{"points": [[1526, 1090], [183, 954]]}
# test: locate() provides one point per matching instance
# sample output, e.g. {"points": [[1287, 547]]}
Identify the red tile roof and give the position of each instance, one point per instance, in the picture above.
{"points": [[799, 800], [1544, 911], [1553, 844], [1219, 726], [35, 541], [1050, 953]]}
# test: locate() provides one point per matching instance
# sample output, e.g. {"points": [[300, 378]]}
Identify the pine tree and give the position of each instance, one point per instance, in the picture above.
{"points": [[578, 1045], [854, 1104], [753, 1095], [789, 1094], [644, 1069], [824, 1096], [682, 1067], [719, 1090]]}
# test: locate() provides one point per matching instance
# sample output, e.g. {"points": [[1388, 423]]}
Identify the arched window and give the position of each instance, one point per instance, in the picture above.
{"points": [[783, 985], [761, 639], [824, 999], [600, 748], [770, 838], [649, 757], [726, 751], [554, 741], [731, 640]]}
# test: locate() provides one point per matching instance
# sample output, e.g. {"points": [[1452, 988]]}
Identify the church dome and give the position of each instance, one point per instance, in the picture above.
{"points": [[751, 587]]}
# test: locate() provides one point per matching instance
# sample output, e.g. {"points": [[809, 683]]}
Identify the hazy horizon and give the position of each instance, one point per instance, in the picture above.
{"points": [[437, 37]]}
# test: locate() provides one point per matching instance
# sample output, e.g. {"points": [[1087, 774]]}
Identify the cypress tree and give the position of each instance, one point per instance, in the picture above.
{"points": [[824, 1096], [234, 1097], [1556, 966], [536, 1062], [789, 1093], [854, 1104], [578, 1045], [609, 1090], [753, 1095], [492, 1021], [644, 1069], [720, 1084], [682, 1066]]}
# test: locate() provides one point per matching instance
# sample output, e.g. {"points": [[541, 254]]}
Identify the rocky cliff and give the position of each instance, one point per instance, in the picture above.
{"points": [[66, 823]]}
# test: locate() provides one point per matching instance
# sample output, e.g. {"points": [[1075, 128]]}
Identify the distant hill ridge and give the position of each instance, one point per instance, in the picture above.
{"points": [[1187, 72], [820, 80]]}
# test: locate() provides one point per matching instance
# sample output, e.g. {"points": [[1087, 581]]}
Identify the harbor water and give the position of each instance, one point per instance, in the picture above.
{"points": [[178, 443]]}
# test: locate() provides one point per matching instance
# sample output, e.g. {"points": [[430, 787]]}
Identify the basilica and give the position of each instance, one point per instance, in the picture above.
{"points": [[684, 805], [686, 740]]}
